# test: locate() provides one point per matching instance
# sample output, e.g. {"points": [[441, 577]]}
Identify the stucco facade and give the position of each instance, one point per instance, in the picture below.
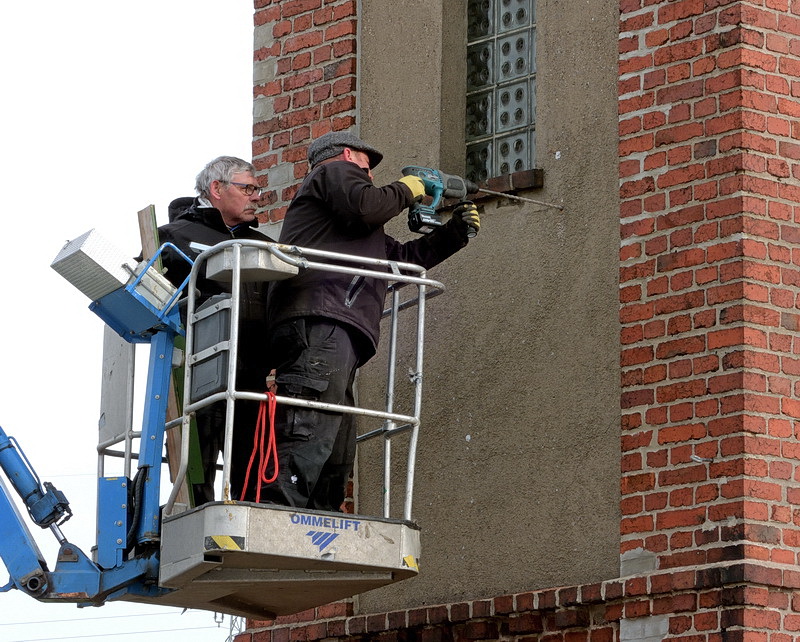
{"points": [[519, 450]]}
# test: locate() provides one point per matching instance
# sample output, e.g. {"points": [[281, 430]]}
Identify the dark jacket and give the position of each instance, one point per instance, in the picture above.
{"points": [[337, 208], [204, 226]]}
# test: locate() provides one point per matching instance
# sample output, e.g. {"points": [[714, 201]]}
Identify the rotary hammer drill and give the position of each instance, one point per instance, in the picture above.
{"points": [[438, 185]]}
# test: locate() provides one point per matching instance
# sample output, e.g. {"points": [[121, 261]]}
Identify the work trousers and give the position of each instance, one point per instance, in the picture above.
{"points": [[315, 358]]}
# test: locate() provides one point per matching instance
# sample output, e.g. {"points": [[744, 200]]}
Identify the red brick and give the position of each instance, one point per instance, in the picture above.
{"points": [[376, 623], [458, 612], [525, 623], [481, 630]]}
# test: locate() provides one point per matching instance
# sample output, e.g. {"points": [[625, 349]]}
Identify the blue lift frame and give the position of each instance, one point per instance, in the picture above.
{"points": [[127, 555]]}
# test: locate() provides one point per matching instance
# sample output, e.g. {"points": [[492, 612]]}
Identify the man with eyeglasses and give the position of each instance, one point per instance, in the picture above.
{"points": [[224, 209]]}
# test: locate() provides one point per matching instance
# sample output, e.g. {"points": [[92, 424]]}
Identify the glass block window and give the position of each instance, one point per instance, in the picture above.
{"points": [[501, 87]]}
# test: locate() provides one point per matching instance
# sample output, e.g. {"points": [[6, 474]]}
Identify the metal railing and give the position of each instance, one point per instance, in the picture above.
{"points": [[398, 275]]}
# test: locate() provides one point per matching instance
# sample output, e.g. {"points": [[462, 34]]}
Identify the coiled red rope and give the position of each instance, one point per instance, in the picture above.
{"points": [[264, 432]]}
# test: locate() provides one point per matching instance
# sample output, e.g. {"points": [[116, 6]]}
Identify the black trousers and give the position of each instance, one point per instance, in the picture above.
{"points": [[210, 423], [315, 358]]}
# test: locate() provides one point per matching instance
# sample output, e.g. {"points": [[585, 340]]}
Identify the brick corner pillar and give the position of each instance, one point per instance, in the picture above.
{"points": [[304, 78], [709, 164]]}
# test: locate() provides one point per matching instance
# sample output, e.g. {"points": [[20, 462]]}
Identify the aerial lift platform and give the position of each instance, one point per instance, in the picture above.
{"points": [[241, 558]]}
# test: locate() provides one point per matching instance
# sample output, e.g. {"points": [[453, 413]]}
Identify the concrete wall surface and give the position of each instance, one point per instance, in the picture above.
{"points": [[517, 483]]}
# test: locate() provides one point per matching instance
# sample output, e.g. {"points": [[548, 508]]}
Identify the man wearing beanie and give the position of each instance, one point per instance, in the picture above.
{"points": [[324, 325]]}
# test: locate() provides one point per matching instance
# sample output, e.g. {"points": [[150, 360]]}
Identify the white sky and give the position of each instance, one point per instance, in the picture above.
{"points": [[107, 107]]}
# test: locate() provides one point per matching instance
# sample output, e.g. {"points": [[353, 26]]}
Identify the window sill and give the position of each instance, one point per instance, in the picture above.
{"points": [[507, 184], [512, 183]]}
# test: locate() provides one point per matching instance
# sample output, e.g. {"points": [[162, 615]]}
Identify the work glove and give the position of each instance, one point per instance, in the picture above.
{"points": [[415, 184], [466, 218]]}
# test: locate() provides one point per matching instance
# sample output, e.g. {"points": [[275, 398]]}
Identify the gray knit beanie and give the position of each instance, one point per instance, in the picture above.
{"points": [[333, 143]]}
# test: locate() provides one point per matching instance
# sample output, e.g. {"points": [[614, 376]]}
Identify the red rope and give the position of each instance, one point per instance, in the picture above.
{"points": [[266, 452]]}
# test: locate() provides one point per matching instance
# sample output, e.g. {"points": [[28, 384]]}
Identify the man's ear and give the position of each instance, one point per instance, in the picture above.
{"points": [[215, 189], [347, 154]]}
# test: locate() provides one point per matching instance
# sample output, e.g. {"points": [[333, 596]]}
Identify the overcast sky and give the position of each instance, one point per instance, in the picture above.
{"points": [[107, 107]]}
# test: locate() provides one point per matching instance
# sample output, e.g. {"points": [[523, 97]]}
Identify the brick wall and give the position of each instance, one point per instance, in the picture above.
{"points": [[304, 86], [737, 602], [709, 285], [709, 280]]}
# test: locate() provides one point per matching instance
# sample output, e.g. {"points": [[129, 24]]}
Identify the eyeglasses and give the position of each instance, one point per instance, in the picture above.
{"points": [[247, 188]]}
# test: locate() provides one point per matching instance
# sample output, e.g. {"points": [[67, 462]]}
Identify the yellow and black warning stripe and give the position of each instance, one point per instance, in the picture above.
{"points": [[411, 562], [224, 543]]}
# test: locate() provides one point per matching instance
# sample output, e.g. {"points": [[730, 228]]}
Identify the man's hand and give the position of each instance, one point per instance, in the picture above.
{"points": [[415, 184], [466, 218], [272, 386]]}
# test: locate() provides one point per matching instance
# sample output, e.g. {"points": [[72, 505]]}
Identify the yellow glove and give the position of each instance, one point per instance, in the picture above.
{"points": [[415, 184], [466, 218]]}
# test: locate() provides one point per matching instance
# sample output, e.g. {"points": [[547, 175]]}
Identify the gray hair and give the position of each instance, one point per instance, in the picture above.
{"points": [[221, 169]]}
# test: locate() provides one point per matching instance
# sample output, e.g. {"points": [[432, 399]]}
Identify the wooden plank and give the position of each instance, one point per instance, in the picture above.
{"points": [[148, 232]]}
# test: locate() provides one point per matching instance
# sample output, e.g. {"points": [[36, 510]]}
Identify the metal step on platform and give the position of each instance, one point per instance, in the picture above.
{"points": [[259, 561]]}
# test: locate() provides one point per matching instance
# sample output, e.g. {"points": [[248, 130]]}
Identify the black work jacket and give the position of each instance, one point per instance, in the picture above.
{"points": [[338, 209], [204, 226]]}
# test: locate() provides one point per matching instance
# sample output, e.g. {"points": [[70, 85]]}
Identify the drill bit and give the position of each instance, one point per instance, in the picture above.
{"points": [[514, 197]]}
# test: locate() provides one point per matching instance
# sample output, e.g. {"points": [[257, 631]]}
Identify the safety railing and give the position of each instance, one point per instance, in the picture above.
{"points": [[229, 259]]}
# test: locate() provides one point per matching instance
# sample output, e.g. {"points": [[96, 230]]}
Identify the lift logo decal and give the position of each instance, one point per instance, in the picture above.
{"points": [[336, 523], [321, 539]]}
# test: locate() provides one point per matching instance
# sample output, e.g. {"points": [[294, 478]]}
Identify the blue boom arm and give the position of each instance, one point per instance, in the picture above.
{"points": [[112, 573]]}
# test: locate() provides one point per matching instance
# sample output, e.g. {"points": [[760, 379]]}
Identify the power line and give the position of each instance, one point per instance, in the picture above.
{"points": [[110, 635], [101, 617]]}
